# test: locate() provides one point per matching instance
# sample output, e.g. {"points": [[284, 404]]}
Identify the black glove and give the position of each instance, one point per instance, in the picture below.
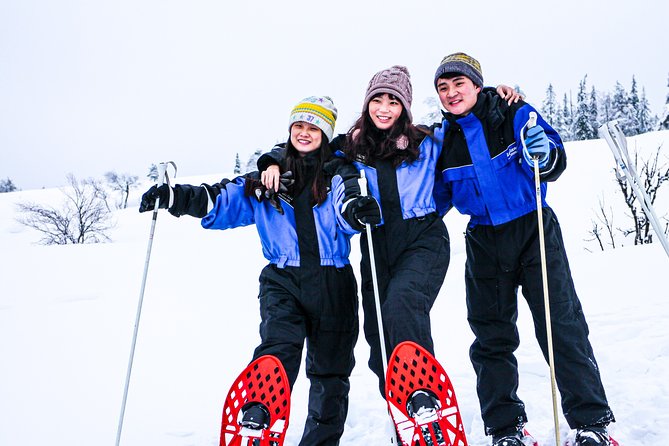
{"points": [[351, 188], [285, 181], [256, 189], [162, 193], [362, 211]]}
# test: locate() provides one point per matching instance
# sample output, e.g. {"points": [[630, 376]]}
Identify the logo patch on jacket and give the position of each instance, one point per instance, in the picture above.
{"points": [[511, 151]]}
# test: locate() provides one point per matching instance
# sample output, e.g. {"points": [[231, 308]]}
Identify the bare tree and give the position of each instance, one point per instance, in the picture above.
{"points": [[99, 191], [652, 175], [122, 183], [596, 233], [84, 217], [605, 218]]}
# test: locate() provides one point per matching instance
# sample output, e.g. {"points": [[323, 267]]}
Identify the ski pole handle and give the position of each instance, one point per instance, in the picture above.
{"points": [[362, 182], [531, 122], [162, 173], [162, 179]]}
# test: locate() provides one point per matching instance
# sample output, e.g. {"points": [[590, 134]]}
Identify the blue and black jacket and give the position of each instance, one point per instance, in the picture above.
{"points": [[413, 184], [484, 174], [228, 204], [405, 193]]}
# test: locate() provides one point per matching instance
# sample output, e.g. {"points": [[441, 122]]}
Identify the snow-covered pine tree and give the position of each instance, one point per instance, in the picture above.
{"points": [[582, 127], [153, 173], [7, 186], [632, 109], [620, 109], [644, 117], [593, 116], [634, 94], [252, 163], [663, 124], [434, 112], [566, 121], [549, 107], [238, 165], [605, 109]]}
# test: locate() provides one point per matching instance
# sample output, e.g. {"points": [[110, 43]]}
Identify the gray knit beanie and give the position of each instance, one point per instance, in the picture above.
{"points": [[394, 80], [463, 64]]}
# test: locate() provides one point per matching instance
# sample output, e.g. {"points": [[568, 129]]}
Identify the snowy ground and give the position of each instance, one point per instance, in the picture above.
{"points": [[67, 314]]}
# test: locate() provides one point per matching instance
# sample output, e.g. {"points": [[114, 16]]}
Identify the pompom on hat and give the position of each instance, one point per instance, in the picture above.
{"points": [[316, 110], [394, 80], [463, 64]]}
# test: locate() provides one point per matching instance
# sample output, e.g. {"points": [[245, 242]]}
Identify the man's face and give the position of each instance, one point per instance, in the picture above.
{"points": [[458, 94]]}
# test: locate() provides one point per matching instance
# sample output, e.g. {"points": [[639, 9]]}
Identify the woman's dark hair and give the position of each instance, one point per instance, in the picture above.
{"points": [[304, 170], [365, 141]]}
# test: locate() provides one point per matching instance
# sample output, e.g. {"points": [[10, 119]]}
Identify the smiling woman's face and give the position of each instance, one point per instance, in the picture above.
{"points": [[305, 137]]}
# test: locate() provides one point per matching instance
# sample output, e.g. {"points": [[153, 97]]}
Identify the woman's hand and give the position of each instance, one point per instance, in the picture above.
{"points": [[270, 178]]}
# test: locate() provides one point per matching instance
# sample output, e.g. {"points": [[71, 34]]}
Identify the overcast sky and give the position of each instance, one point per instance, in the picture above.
{"points": [[89, 86]]}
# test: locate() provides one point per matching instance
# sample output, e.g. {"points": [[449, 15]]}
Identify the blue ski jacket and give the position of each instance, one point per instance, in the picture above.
{"points": [[225, 205], [484, 174], [277, 232]]}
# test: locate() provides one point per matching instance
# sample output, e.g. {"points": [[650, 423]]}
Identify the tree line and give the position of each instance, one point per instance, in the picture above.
{"points": [[577, 119]]}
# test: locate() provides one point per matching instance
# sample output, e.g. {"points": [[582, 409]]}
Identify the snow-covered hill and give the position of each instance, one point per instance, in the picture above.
{"points": [[67, 315]]}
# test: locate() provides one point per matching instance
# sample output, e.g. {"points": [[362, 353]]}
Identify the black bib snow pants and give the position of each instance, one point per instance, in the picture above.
{"points": [[499, 260], [412, 258], [319, 304]]}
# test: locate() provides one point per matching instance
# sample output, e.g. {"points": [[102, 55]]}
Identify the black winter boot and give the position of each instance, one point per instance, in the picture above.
{"points": [[592, 436], [422, 407], [511, 436], [422, 403], [255, 416], [508, 440]]}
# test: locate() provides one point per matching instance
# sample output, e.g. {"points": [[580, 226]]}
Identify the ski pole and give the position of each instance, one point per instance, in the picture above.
{"points": [[532, 121], [162, 179], [375, 282], [615, 138], [362, 181]]}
